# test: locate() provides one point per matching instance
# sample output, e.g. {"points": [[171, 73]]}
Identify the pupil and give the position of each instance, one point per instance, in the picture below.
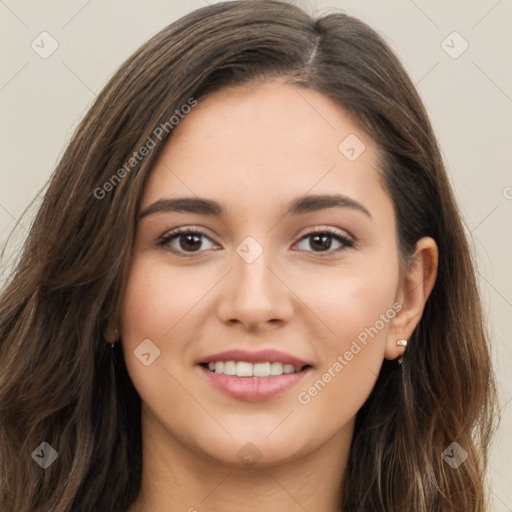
{"points": [[323, 238], [197, 244]]}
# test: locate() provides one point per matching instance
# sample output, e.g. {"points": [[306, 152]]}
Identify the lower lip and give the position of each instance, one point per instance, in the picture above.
{"points": [[254, 389]]}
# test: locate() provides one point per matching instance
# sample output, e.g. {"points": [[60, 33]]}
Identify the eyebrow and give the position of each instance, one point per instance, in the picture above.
{"points": [[299, 205]]}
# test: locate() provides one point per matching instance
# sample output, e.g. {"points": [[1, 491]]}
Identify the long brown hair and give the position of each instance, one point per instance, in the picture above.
{"points": [[57, 383]]}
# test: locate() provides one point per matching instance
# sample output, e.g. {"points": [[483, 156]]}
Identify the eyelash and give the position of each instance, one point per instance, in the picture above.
{"points": [[175, 233]]}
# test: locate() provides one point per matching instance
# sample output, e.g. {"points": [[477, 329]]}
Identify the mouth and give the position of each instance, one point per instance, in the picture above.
{"points": [[258, 370], [252, 382]]}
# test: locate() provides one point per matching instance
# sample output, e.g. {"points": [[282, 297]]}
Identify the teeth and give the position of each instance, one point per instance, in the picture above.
{"points": [[229, 368], [276, 368], [261, 370], [245, 369], [288, 368]]}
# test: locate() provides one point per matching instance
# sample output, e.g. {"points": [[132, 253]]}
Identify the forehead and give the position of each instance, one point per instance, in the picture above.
{"points": [[265, 142]]}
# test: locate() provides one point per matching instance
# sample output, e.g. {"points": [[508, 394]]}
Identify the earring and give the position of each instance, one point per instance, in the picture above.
{"points": [[402, 343], [114, 342], [113, 384]]}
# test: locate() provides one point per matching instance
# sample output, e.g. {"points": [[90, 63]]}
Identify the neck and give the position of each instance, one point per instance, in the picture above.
{"points": [[193, 482]]}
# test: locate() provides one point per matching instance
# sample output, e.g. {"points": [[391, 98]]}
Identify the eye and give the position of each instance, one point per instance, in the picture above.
{"points": [[322, 240], [189, 240]]}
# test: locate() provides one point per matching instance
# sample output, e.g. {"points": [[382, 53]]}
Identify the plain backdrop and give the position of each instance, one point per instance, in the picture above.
{"points": [[465, 80]]}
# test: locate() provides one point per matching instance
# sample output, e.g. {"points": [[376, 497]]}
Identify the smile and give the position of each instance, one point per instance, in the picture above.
{"points": [[246, 369], [252, 388]]}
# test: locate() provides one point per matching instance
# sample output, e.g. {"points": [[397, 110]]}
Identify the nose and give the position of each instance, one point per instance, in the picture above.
{"points": [[255, 294]]}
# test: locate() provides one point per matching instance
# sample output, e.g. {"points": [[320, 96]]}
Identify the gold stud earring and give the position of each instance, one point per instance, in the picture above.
{"points": [[402, 343]]}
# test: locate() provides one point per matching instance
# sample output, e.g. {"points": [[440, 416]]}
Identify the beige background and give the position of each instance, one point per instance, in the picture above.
{"points": [[469, 99]]}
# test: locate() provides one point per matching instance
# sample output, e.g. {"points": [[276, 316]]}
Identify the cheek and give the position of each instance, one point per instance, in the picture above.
{"points": [[158, 302], [145, 304], [351, 298], [355, 305], [155, 301], [158, 297], [361, 302]]}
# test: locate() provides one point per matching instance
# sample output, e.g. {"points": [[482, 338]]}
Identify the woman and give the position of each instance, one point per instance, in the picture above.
{"points": [[182, 334]]}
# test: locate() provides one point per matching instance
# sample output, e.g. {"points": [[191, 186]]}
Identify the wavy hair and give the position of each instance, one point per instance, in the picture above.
{"points": [[57, 383]]}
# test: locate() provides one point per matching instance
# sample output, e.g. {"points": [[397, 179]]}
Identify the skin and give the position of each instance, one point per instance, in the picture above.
{"points": [[254, 149]]}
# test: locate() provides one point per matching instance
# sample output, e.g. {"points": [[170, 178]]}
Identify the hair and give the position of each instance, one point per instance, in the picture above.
{"points": [[58, 384]]}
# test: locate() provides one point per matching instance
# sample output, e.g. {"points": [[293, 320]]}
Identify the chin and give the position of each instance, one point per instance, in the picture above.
{"points": [[254, 450]]}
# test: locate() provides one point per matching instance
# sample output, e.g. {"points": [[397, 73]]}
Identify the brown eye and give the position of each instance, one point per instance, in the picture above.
{"points": [[321, 240], [183, 241]]}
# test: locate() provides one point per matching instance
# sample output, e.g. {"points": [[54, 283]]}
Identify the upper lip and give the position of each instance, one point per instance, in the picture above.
{"points": [[261, 356]]}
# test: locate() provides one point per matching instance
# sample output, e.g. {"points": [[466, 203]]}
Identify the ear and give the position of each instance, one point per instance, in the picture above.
{"points": [[413, 292]]}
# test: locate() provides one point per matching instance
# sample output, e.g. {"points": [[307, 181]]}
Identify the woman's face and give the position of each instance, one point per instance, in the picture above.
{"points": [[263, 280]]}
